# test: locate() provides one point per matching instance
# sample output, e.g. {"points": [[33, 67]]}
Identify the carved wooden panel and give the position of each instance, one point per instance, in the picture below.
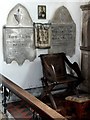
{"points": [[85, 47]]}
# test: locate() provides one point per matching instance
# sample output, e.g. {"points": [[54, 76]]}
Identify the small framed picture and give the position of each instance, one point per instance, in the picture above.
{"points": [[42, 35], [41, 12]]}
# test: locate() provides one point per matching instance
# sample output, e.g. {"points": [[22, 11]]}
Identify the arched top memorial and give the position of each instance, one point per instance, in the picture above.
{"points": [[63, 32], [62, 16], [18, 36], [19, 16]]}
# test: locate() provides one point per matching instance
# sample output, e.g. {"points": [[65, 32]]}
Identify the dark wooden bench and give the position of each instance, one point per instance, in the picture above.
{"points": [[37, 105]]}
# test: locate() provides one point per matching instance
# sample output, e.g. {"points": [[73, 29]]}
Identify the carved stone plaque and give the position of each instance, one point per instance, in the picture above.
{"points": [[63, 32], [18, 36], [18, 44], [61, 39]]}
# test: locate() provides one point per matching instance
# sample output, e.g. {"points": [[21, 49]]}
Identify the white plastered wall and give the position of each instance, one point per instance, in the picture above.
{"points": [[28, 75]]}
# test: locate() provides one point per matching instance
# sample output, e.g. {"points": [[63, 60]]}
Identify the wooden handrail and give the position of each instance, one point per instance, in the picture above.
{"points": [[40, 107]]}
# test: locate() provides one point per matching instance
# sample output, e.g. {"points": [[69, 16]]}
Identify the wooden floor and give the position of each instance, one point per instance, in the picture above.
{"points": [[69, 114], [60, 100], [39, 106]]}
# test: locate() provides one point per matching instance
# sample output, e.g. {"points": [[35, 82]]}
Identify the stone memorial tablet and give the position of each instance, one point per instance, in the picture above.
{"points": [[18, 36], [63, 32], [61, 38], [18, 44]]}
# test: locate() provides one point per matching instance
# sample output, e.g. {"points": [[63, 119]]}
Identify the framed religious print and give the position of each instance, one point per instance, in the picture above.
{"points": [[41, 12], [42, 35]]}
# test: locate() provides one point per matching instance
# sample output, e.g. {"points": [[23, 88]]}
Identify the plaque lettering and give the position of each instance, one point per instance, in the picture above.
{"points": [[18, 43]]}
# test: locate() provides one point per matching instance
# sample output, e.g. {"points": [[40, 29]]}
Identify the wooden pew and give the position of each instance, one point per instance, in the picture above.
{"points": [[37, 105]]}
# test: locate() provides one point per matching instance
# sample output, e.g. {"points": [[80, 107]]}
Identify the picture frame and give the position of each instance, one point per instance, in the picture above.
{"points": [[41, 12], [42, 35]]}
